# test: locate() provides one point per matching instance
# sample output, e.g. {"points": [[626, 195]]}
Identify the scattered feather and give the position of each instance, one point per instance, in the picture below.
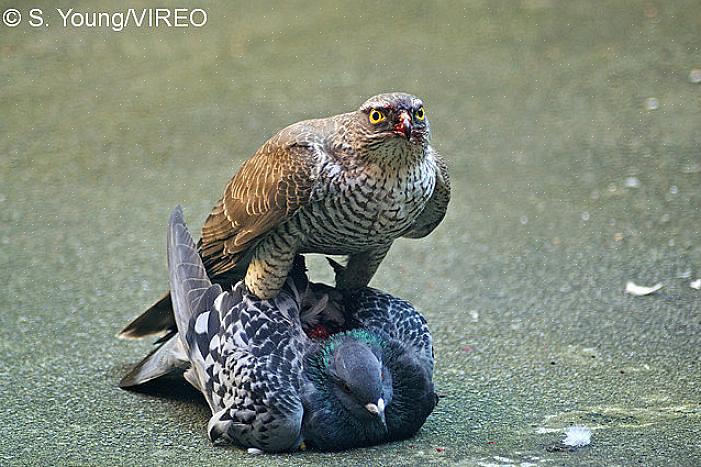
{"points": [[319, 307], [651, 103], [577, 436], [639, 290], [255, 451], [632, 182], [311, 315], [696, 285], [695, 76]]}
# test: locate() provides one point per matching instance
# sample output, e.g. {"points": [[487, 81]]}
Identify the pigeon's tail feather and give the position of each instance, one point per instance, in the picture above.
{"points": [[157, 320], [195, 301], [161, 361], [192, 292]]}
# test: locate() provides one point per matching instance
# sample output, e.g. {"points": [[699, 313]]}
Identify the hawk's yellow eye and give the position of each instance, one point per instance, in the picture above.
{"points": [[376, 116], [420, 114]]}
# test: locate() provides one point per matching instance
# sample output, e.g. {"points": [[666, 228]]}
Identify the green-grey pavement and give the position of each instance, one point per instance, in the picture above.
{"points": [[573, 133]]}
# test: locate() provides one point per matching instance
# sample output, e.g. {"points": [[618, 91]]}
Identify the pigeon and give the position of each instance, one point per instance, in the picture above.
{"points": [[397, 322], [270, 386], [348, 184]]}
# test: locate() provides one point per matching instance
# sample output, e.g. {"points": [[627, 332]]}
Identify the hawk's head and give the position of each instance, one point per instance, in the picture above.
{"points": [[395, 120]]}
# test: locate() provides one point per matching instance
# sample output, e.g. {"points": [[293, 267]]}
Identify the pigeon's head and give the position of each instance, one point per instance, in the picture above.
{"points": [[393, 122], [357, 377]]}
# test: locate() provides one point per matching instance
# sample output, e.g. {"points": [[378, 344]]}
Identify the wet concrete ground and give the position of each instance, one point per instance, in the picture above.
{"points": [[569, 180]]}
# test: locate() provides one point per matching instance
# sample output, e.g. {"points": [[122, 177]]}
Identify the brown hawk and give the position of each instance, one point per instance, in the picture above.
{"points": [[349, 184]]}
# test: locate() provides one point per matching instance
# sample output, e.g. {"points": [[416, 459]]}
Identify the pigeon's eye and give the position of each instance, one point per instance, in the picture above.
{"points": [[420, 114], [376, 116], [346, 388]]}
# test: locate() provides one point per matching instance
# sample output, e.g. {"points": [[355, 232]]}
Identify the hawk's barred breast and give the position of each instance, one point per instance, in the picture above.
{"points": [[364, 206]]}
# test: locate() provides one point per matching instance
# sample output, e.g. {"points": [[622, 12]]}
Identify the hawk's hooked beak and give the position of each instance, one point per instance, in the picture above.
{"points": [[377, 410], [403, 125]]}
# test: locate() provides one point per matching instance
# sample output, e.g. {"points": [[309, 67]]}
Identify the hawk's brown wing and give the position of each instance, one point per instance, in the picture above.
{"points": [[268, 189], [437, 205]]}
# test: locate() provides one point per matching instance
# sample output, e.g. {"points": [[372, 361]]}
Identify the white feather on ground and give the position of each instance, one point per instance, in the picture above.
{"points": [[577, 436], [696, 285], [639, 290]]}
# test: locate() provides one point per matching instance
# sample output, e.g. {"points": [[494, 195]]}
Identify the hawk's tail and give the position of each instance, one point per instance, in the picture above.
{"points": [[157, 320]]}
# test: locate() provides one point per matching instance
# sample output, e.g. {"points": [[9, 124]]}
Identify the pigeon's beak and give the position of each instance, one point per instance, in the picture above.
{"points": [[403, 125], [378, 410]]}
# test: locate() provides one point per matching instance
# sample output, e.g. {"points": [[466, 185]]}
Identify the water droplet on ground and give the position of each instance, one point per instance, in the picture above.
{"points": [[695, 76], [632, 182], [651, 103]]}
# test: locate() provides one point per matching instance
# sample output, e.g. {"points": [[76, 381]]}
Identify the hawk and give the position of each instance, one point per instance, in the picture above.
{"points": [[348, 185]]}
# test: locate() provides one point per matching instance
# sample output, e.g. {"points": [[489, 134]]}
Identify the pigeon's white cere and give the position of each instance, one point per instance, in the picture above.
{"points": [[372, 408], [381, 405], [577, 436]]}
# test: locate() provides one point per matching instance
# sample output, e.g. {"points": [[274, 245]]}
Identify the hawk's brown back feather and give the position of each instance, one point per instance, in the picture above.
{"points": [[268, 189]]}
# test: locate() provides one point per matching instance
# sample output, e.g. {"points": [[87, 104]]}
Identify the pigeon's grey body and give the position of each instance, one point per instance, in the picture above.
{"points": [[342, 185], [271, 387]]}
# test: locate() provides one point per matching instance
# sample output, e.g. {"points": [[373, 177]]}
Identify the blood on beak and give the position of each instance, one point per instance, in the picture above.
{"points": [[403, 125]]}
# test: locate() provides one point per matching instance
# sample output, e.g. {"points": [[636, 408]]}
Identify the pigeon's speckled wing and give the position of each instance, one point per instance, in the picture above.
{"points": [[246, 354], [253, 352], [268, 189], [437, 205], [381, 312]]}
